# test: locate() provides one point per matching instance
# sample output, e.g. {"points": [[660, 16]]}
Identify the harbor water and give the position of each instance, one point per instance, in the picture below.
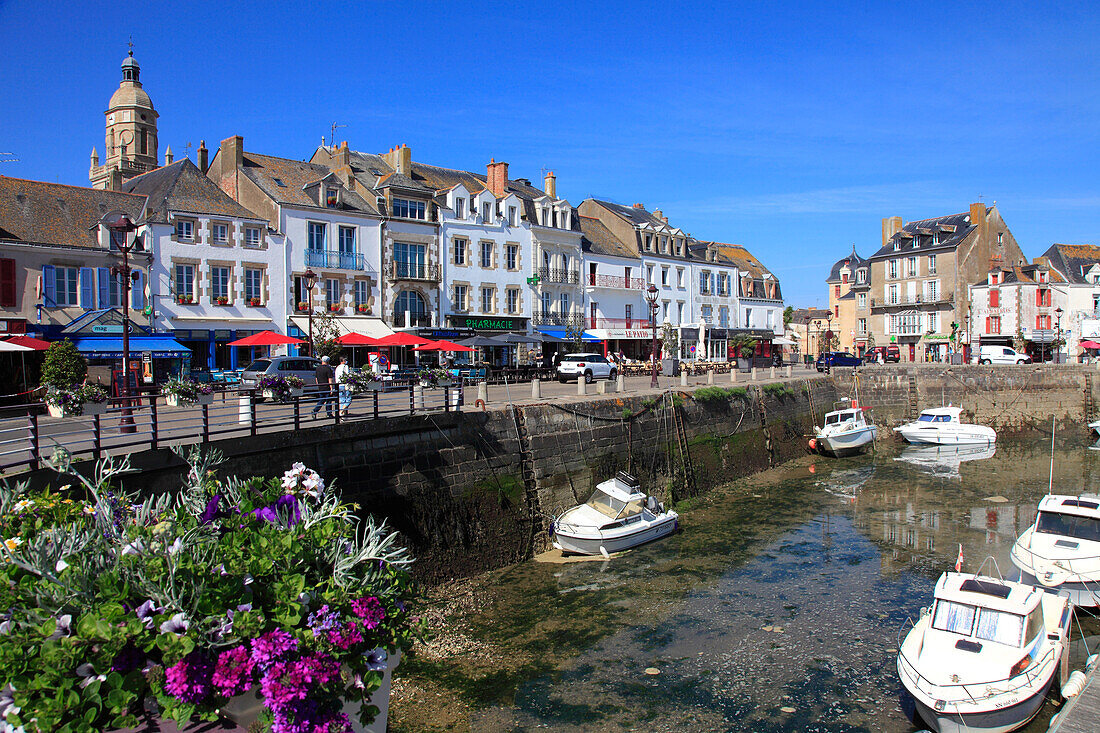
{"points": [[779, 606]]}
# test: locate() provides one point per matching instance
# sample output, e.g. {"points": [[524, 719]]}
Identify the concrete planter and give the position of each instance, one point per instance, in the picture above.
{"points": [[174, 400], [294, 392], [88, 409]]}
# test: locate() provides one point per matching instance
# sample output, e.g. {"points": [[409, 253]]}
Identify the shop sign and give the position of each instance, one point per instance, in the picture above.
{"points": [[628, 333], [450, 334], [107, 328], [482, 323]]}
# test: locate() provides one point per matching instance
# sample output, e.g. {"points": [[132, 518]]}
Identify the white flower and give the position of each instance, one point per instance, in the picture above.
{"points": [[61, 565], [298, 466], [134, 548], [177, 624], [23, 504], [13, 543], [175, 547]]}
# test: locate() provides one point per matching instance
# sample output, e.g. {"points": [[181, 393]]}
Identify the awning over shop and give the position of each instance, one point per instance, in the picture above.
{"points": [[783, 341], [107, 347], [561, 333], [373, 327]]}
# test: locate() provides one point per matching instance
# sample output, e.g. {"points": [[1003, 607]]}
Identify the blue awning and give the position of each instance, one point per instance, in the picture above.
{"points": [[161, 347], [561, 334]]}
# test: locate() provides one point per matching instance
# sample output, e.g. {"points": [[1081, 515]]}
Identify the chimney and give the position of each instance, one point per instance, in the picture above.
{"points": [[659, 214], [400, 159], [550, 185], [640, 206], [891, 225], [343, 154], [497, 174], [114, 180], [230, 162], [204, 154], [977, 218], [168, 156]]}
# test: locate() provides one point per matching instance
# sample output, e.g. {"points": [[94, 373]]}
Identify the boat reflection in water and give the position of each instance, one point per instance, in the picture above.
{"points": [[944, 460], [847, 482]]}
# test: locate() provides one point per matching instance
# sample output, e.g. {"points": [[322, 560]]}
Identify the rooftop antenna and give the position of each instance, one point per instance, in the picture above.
{"points": [[334, 126], [187, 151]]}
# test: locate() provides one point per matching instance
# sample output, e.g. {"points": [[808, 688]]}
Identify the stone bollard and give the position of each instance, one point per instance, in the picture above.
{"points": [[620, 384], [753, 374], [244, 408], [772, 373], [483, 392], [790, 371], [733, 373], [536, 389], [418, 398], [710, 376], [601, 387], [582, 388], [683, 379]]}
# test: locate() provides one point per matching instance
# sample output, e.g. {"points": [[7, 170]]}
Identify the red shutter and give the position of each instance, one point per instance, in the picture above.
{"points": [[7, 283], [994, 298]]}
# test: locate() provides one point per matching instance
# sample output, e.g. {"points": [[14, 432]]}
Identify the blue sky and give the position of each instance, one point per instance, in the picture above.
{"points": [[791, 128]]}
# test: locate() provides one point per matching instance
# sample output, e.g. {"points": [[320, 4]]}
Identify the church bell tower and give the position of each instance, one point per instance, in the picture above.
{"points": [[131, 139]]}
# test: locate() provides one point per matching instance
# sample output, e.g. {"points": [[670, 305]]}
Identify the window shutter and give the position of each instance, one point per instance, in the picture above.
{"points": [[87, 288], [104, 286], [137, 291], [987, 325], [7, 283], [49, 286]]}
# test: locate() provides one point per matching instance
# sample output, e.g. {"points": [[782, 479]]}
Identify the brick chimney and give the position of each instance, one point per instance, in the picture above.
{"points": [[977, 218], [891, 225], [640, 206], [230, 162], [497, 173], [400, 159], [658, 213], [550, 185], [203, 156]]}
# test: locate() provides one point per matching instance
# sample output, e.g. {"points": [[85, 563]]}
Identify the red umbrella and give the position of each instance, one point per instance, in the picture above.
{"points": [[401, 338], [1089, 345], [442, 346], [356, 339], [265, 338], [29, 342]]}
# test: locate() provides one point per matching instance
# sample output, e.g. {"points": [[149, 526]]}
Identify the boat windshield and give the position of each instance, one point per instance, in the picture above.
{"points": [[605, 504], [1000, 626], [928, 417], [1069, 525], [955, 617]]}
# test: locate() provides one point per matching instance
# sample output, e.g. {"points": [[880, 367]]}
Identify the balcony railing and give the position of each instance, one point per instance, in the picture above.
{"points": [[547, 318], [414, 271], [617, 322], [919, 299], [414, 319], [615, 281], [335, 260], [555, 275]]}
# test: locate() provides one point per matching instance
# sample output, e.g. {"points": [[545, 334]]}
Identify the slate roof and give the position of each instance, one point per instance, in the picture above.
{"points": [[963, 228], [805, 315], [853, 261], [1073, 260], [744, 261], [634, 214], [182, 187], [54, 213], [1024, 274], [598, 239], [267, 172]]}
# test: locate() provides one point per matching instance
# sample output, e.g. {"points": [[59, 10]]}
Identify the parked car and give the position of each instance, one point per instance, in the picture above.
{"points": [[883, 355], [283, 366], [586, 366], [1001, 355], [837, 359]]}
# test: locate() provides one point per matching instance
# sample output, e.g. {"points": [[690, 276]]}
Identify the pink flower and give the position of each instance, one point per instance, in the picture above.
{"points": [[269, 647], [370, 610], [189, 678], [233, 672], [346, 636]]}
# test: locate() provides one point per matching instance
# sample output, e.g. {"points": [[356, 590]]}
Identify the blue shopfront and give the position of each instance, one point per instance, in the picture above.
{"points": [[210, 349]]}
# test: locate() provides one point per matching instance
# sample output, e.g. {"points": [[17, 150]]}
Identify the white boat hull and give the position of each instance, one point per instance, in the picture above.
{"points": [[925, 434], [1059, 563], [591, 541], [989, 721], [848, 442]]}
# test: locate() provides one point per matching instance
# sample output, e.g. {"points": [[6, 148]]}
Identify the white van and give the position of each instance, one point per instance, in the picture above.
{"points": [[1001, 355]]}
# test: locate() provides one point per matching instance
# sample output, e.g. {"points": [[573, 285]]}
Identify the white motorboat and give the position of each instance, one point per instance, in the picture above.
{"points": [[846, 431], [616, 517], [1061, 550], [983, 656], [942, 426], [944, 460], [1094, 426]]}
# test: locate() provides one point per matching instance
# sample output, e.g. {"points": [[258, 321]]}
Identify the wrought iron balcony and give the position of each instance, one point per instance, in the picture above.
{"points": [[614, 281], [549, 318], [414, 271], [556, 275], [618, 323], [919, 299], [335, 260]]}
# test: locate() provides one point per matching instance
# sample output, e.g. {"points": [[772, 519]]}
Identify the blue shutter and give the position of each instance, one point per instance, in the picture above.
{"points": [[49, 286], [87, 288], [104, 287], [137, 291]]}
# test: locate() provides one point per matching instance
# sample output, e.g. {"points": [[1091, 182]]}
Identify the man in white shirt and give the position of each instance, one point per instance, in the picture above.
{"points": [[341, 384]]}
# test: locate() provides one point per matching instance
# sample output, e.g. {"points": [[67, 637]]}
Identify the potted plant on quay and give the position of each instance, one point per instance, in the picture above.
{"points": [[745, 349], [261, 601], [183, 391], [359, 382], [64, 371], [281, 389], [80, 399]]}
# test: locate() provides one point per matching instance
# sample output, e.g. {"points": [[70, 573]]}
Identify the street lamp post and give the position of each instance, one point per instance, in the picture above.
{"points": [[1058, 339], [651, 298], [120, 226], [309, 278]]}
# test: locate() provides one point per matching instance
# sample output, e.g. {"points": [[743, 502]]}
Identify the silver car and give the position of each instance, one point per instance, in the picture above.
{"points": [[303, 367]]}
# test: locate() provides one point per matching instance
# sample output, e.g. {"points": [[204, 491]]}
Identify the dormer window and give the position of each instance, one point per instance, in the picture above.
{"points": [[332, 197], [185, 231], [994, 278], [460, 208], [861, 276], [487, 211], [916, 242], [409, 209], [897, 246], [511, 216]]}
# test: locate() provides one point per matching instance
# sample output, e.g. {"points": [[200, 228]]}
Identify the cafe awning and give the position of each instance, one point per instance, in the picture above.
{"points": [[561, 334], [110, 347]]}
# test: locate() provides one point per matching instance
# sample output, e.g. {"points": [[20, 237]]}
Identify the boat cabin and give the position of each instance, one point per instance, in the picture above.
{"points": [[981, 610], [618, 499], [840, 416], [940, 414], [1075, 517]]}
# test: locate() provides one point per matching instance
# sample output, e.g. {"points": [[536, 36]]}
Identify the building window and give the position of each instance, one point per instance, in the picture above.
{"points": [[679, 312], [897, 246], [460, 208], [723, 284], [994, 298], [861, 325], [680, 277], [332, 291], [861, 276], [1000, 238], [706, 314], [67, 286], [410, 259], [664, 278], [185, 231], [512, 300], [253, 280], [931, 291], [512, 256], [331, 198], [836, 291], [111, 285], [546, 300], [511, 216], [892, 295], [844, 277], [993, 324], [649, 274], [408, 209], [251, 237], [458, 298], [911, 267], [1042, 322], [362, 293], [486, 254], [931, 264], [220, 233], [723, 317], [748, 318], [486, 300], [704, 283], [346, 241], [219, 283], [411, 302], [564, 303], [934, 322], [1042, 298], [862, 298], [316, 236], [487, 211], [185, 282], [459, 254], [893, 270]]}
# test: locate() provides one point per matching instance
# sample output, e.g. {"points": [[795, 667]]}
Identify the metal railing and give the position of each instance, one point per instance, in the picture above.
{"points": [[557, 275], [547, 318], [28, 436], [919, 299], [616, 281], [336, 260], [414, 271], [422, 319]]}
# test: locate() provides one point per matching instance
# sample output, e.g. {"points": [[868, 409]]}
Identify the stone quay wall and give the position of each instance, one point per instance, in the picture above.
{"points": [[471, 491], [1009, 398]]}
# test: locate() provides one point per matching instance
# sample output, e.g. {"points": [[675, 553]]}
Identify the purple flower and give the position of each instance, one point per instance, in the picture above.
{"points": [[346, 636], [295, 514], [269, 647], [189, 678], [323, 620], [146, 611], [266, 513], [175, 625], [370, 610], [233, 672], [376, 660], [211, 512], [128, 658]]}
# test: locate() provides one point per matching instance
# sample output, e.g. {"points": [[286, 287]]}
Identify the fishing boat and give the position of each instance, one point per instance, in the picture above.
{"points": [[616, 517], [1061, 550], [846, 431], [944, 461], [984, 655], [943, 426]]}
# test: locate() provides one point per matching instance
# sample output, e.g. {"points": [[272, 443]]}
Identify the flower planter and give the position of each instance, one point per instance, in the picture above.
{"points": [[445, 383], [426, 383], [174, 400], [89, 409], [376, 386]]}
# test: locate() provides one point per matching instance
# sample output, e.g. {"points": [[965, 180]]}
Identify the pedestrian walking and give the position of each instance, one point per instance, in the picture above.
{"points": [[326, 380], [342, 371]]}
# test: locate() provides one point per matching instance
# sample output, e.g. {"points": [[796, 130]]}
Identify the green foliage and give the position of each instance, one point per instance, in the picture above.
{"points": [[719, 394], [649, 403], [627, 414], [788, 316], [777, 390], [677, 400], [72, 400], [744, 345], [670, 341], [325, 333], [63, 366]]}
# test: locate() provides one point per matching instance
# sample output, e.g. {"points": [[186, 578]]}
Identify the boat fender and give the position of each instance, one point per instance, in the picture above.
{"points": [[812, 443], [1074, 684], [550, 529], [603, 551]]}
